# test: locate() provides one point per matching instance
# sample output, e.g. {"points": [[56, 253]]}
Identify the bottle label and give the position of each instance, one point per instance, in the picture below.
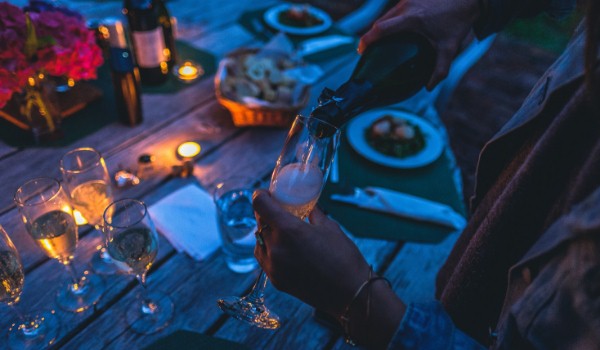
{"points": [[149, 48]]}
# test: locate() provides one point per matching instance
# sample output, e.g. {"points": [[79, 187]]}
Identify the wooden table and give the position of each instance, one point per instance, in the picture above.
{"points": [[169, 119]]}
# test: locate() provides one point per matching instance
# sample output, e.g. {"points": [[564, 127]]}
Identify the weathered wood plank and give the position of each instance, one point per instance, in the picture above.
{"points": [[201, 313], [208, 125]]}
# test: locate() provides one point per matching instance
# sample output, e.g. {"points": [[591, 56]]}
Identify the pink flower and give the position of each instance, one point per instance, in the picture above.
{"points": [[65, 47]]}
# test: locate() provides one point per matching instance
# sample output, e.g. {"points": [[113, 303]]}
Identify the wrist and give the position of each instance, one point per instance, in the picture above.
{"points": [[374, 314]]}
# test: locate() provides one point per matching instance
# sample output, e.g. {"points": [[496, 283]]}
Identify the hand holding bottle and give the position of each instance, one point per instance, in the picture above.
{"points": [[445, 23]]}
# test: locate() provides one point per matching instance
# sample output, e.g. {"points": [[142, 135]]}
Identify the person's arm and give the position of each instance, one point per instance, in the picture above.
{"points": [[448, 24], [496, 14], [317, 263]]}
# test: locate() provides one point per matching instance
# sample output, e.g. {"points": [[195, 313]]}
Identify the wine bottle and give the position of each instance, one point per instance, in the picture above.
{"points": [[164, 19], [125, 75], [392, 69], [147, 40]]}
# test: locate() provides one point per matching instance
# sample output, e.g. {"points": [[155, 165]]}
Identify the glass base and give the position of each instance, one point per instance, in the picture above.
{"points": [[42, 333], [256, 314], [242, 265], [151, 318], [80, 300], [103, 264]]}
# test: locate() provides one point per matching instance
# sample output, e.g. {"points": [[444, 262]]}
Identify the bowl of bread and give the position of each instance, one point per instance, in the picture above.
{"points": [[261, 87]]}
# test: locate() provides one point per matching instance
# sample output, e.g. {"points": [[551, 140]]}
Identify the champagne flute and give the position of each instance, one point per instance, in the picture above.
{"points": [[29, 332], [87, 181], [296, 183], [48, 217], [132, 242]]}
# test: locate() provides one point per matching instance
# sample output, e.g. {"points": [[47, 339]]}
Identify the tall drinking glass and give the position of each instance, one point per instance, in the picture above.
{"points": [[48, 217], [28, 332], [132, 242], [296, 183], [87, 181]]}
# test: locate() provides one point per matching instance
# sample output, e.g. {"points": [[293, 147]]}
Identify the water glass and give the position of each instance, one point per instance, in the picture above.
{"points": [[233, 199]]}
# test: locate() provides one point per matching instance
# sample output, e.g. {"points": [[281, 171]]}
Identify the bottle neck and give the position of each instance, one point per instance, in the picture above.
{"points": [[337, 107]]}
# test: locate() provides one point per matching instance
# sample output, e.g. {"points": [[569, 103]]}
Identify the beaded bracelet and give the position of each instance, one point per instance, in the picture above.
{"points": [[345, 318]]}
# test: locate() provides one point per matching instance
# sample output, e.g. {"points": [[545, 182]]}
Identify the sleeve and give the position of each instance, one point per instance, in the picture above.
{"points": [[495, 14], [427, 326]]}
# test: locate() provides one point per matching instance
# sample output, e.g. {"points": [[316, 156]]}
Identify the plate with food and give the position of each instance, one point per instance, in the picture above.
{"points": [[298, 19], [395, 138]]}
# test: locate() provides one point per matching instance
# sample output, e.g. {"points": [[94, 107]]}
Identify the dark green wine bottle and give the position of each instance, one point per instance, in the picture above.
{"points": [[164, 19], [390, 70], [147, 41]]}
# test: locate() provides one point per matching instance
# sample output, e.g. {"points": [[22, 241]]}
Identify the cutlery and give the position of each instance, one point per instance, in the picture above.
{"points": [[402, 204]]}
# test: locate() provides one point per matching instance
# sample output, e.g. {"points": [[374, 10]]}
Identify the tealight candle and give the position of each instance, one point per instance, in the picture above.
{"points": [[188, 149], [188, 71]]}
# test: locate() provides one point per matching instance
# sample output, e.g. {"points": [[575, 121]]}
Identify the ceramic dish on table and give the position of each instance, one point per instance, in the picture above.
{"points": [[297, 19], [357, 137]]}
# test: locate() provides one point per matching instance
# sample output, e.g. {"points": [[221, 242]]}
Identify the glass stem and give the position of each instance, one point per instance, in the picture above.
{"points": [[149, 307], [75, 286], [28, 326], [257, 294]]}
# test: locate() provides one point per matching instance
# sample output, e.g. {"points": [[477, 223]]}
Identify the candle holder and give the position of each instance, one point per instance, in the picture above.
{"points": [[186, 152], [188, 71]]}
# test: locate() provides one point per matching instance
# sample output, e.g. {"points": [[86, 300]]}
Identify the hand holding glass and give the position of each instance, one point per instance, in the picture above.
{"points": [[296, 183], [48, 217]]}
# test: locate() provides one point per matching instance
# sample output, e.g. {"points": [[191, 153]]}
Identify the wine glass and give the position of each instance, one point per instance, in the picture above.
{"points": [[48, 217], [87, 181], [132, 242], [28, 332], [296, 183]]}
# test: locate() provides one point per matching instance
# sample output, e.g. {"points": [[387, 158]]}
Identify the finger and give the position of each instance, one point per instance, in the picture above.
{"points": [[442, 67], [268, 210], [318, 217], [383, 28], [260, 254]]}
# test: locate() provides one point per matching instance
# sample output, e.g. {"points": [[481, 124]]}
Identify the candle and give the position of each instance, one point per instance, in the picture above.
{"points": [[188, 149], [188, 71], [79, 219]]}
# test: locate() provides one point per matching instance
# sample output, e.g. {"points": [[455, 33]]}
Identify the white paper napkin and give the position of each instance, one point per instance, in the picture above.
{"points": [[407, 205], [403, 204], [187, 218]]}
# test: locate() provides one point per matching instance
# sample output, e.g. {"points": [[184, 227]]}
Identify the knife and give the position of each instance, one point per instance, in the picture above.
{"points": [[404, 205], [314, 45]]}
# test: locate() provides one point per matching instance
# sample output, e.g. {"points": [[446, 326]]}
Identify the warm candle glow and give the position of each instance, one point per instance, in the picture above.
{"points": [[188, 71], [79, 219], [188, 149]]}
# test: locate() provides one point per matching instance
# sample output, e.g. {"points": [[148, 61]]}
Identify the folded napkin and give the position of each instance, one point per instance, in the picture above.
{"points": [[405, 205], [188, 219]]}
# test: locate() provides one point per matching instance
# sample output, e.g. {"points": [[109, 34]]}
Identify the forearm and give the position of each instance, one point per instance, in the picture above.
{"points": [[495, 14]]}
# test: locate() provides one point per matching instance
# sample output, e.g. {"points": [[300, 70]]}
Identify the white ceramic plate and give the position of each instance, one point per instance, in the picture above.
{"points": [[272, 19], [434, 143]]}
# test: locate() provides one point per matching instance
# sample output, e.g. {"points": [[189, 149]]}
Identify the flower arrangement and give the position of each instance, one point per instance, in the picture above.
{"points": [[42, 38]]}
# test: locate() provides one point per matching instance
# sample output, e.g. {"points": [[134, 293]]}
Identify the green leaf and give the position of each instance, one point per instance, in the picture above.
{"points": [[31, 42], [46, 41]]}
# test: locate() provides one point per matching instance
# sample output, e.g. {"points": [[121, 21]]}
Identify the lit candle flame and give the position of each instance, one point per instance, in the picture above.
{"points": [[188, 71], [188, 149]]}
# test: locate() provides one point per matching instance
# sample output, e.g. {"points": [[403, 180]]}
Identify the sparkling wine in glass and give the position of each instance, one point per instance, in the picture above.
{"points": [[132, 242], [48, 217], [296, 183], [87, 181], [28, 332]]}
